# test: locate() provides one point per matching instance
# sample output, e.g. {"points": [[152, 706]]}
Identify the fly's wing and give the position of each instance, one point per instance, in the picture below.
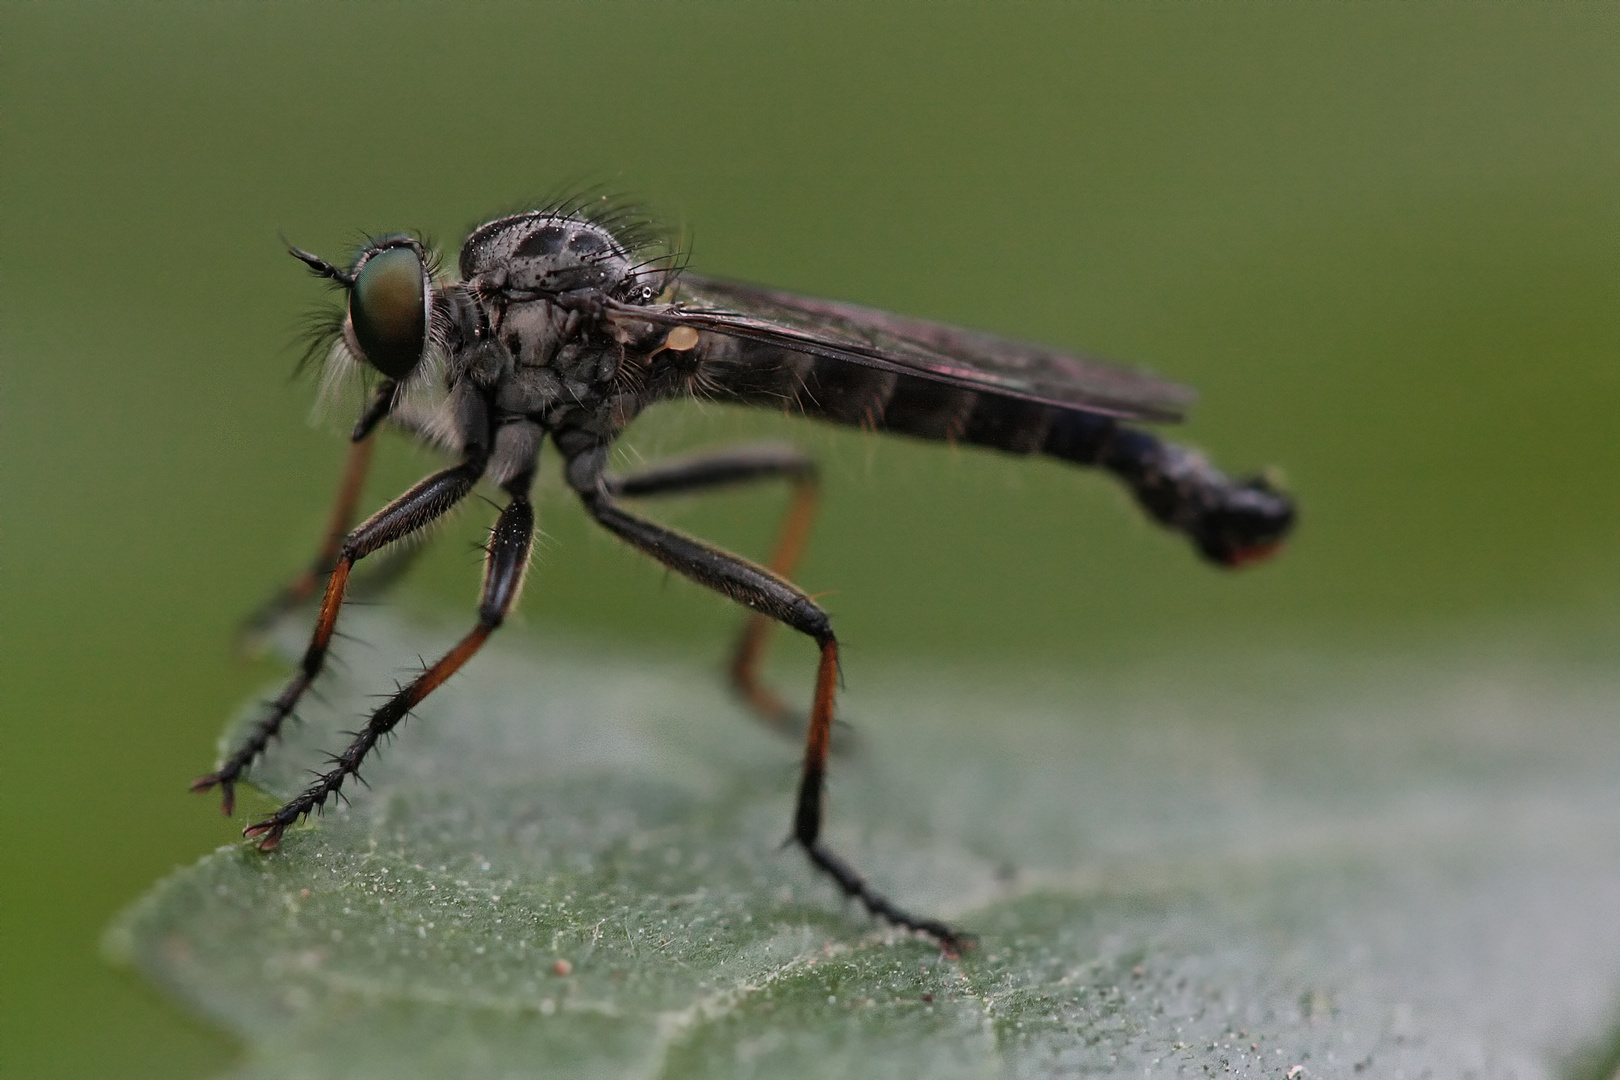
{"points": [[967, 359]]}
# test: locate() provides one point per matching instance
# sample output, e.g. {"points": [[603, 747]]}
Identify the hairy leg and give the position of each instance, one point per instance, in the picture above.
{"points": [[776, 598], [508, 557], [745, 464], [341, 519], [415, 509]]}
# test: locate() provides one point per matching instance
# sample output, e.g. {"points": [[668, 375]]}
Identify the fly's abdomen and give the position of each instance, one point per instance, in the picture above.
{"points": [[1229, 522], [847, 393], [839, 391]]}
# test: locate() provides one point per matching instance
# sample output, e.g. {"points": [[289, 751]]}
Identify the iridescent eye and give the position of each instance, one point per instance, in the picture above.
{"points": [[388, 313]]}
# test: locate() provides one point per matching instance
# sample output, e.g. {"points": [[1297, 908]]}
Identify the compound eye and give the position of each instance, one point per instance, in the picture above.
{"points": [[388, 311]]}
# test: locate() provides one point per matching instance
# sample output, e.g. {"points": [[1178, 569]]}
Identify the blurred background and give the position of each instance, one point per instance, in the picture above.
{"points": [[1382, 240]]}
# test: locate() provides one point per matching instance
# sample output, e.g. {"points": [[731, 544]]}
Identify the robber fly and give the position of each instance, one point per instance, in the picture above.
{"points": [[567, 321]]}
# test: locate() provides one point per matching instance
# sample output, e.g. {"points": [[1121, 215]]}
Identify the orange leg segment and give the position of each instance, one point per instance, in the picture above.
{"points": [[723, 469], [509, 547], [752, 643], [774, 597], [413, 510], [355, 468]]}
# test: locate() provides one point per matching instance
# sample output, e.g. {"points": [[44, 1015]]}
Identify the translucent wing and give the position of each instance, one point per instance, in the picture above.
{"points": [[968, 359]]}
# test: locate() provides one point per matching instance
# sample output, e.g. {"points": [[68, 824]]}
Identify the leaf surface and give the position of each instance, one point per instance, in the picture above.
{"points": [[569, 864]]}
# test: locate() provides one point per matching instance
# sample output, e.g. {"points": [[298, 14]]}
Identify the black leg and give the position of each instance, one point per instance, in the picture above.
{"points": [[413, 510], [508, 550], [773, 596], [742, 465], [737, 465]]}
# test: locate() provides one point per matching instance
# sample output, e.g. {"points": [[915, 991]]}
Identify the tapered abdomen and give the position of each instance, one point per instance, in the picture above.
{"points": [[1230, 522]]}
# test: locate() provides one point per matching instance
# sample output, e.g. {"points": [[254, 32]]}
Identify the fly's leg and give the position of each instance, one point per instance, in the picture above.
{"points": [[778, 599], [355, 468], [742, 465], [418, 507], [508, 557], [303, 586], [749, 653]]}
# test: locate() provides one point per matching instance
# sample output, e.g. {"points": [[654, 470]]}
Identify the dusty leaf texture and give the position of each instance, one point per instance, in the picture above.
{"points": [[569, 864]]}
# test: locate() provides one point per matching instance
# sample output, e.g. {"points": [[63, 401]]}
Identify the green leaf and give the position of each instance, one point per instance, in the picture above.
{"points": [[570, 864]]}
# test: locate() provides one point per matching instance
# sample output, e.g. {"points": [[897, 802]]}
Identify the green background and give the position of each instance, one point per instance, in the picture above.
{"points": [[1383, 241]]}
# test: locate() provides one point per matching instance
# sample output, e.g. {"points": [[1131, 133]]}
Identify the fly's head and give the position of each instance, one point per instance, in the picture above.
{"points": [[567, 251], [387, 320]]}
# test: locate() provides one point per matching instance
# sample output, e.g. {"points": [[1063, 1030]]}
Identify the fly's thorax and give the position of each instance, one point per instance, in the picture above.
{"points": [[536, 355], [551, 251], [535, 331]]}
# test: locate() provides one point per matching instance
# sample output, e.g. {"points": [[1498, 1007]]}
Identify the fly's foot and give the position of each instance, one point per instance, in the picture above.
{"points": [[267, 833], [951, 942], [953, 945], [258, 738], [227, 789]]}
